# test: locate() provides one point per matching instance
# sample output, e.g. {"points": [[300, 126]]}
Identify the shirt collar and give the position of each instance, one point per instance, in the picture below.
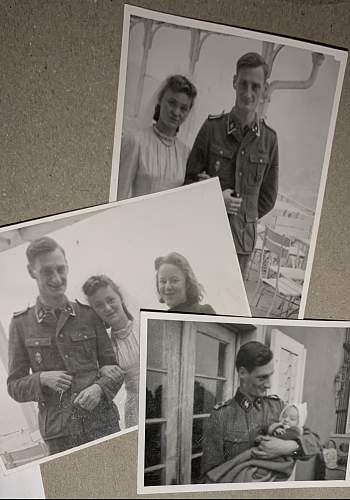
{"points": [[43, 311], [245, 403], [234, 124]]}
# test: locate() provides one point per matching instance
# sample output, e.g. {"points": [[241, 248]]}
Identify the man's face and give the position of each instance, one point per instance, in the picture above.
{"points": [[255, 383], [50, 271], [250, 85]]}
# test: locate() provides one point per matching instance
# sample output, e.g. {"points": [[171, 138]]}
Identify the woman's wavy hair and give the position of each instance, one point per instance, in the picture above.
{"points": [[194, 290], [176, 83], [94, 283]]}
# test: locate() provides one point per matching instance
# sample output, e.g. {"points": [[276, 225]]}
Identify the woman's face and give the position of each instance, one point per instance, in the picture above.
{"points": [[108, 306], [174, 109], [172, 285]]}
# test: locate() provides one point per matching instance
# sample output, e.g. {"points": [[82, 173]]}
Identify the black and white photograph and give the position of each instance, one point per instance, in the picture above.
{"points": [[227, 403], [71, 289], [199, 100]]}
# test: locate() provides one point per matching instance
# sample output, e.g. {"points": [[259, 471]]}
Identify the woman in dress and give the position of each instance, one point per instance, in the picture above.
{"points": [[106, 299], [177, 285], [153, 158]]}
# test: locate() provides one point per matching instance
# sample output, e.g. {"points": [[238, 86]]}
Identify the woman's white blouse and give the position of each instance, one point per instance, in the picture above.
{"points": [[148, 165]]}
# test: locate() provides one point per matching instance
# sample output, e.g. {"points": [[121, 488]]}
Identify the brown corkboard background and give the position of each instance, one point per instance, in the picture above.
{"points": [[58, 90]]}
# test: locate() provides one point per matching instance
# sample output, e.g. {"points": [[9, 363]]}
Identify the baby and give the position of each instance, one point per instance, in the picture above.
{"points": [[246, 468], [291, 422]]}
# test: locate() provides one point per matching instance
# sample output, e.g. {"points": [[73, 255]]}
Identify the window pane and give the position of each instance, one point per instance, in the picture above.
{"points": [[154, 444], [155, 478], [196, 470], [209, 356], [197, 434], [156, 395], [206, 394], [156, 352]]}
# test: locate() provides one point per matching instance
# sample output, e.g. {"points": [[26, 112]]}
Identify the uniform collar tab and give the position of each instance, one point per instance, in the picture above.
{"points": [[245, 403], [234, 124], [42, 311]]}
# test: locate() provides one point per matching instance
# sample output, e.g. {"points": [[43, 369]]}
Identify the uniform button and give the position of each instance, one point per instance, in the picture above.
{"points": [[66, 356], [221, 152], [240, 174], [260, 160], [242, 152], [85, 336], [42, 404], [37, 343]]}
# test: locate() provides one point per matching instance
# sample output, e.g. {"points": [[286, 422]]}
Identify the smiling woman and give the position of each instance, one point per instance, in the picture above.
{"points": [[106, 299], [178, 286], [153, 158]]}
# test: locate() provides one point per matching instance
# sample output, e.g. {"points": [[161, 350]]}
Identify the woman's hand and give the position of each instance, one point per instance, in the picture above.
{"points": [[202, 176], [112, 371]]}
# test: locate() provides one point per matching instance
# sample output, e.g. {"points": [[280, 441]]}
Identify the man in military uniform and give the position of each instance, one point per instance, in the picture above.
{"points": [[234, 425], [242, 151], [56, 349]]}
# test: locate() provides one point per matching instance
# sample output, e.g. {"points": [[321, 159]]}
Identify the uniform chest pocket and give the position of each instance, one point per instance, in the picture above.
{"points": [[39, 350], [235, 443], [256, 168], [219, 157], [84, 343]]}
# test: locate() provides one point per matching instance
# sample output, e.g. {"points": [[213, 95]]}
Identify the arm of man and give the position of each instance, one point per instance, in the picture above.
{"points": [[128, 165], [105, 356], [213, 443], [22, 386], [269, 187], [197, 161]]}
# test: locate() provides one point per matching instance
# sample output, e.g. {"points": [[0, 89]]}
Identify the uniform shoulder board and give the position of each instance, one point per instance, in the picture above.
{"points": [[222, 404], [19, 313], [82, 304], [215, 117], [268, 126]]}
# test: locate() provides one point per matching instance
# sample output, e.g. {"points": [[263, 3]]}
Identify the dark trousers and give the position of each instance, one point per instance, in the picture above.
{"points": [[243, 260], [60, 444]]}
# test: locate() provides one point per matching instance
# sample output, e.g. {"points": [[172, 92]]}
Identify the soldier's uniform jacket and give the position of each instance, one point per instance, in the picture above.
{"points": [[234, 425], [246, 163], [75, 342]]}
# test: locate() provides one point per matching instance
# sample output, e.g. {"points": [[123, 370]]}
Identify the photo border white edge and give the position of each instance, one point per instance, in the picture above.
{"points": [[49, 458], [145, 315], [340, 55]]}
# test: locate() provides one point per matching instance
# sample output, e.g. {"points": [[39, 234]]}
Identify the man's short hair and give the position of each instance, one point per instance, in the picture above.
{"points": [[253, 354], [41, 246], [252, 60]]}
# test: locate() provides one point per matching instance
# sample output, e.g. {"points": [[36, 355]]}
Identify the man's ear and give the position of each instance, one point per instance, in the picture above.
{"points": [[31, 272], [234, 83], [242, 372]]}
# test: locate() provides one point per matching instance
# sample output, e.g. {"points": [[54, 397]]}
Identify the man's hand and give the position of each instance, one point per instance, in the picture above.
{"points": [[271, 447], [56, 380], [89, 398], [232, 203], [202, 176], [112, 371]]}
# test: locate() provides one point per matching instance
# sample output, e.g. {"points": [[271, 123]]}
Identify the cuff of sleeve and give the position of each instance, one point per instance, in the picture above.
{"points": [[38, 393], [300, 451], [109, 387]]}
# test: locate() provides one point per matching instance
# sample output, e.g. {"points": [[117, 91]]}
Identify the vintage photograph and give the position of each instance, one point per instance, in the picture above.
{"points": [[258, 111], [71, 289], [226, 402]]}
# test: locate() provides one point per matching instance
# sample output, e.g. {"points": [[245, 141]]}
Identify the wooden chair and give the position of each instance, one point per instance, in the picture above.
{"points": [[273, 262]]}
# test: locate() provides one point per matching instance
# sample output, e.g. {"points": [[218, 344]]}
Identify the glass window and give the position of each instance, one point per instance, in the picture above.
{"points": [[155, 345], [209, 356], [156, 387], [155, 478], [154, 444], [206, 394]]}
